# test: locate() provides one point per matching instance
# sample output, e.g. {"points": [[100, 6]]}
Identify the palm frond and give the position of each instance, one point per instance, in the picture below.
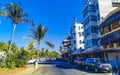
{"points": [[49, 44], [28, 21], [31, 44], [3, 13], [28, 36], [41, 31], [16, 14]]}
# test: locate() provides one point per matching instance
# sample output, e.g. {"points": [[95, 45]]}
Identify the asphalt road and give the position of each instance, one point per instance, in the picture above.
{"points": [[63, 69]]}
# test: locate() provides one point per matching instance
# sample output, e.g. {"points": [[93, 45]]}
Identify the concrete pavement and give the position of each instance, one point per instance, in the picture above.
{"points": [[28, 71], [63, 69]]}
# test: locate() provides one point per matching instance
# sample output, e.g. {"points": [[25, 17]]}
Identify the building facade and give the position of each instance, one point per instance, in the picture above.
{"points": [[93, 13], [77, 38], [110, 37]]}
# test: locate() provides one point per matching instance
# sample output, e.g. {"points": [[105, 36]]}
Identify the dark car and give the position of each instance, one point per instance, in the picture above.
{"points": [[79, 62], [96, 65]]}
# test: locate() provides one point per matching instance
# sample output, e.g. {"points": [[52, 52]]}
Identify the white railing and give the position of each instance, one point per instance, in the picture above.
{"points": [[115, 1]]}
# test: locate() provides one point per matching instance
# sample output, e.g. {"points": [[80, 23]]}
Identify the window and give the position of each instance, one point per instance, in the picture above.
{"points": [[87, 31], [80, 34], [90, 8], [79, 28], [95, 42], [80, 42], [86, 21], [91, 42], [93, 18], [88, 43], [106, 29], [116, 24], [94, 29]]}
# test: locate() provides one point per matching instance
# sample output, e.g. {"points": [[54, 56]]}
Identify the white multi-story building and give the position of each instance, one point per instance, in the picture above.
{"points": [[77, 38], [94, 12]]}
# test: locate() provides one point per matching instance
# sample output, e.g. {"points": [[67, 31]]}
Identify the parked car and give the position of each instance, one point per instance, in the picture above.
{"points": [[96, 65], [31, 61], [80, 62], [42, 59]]}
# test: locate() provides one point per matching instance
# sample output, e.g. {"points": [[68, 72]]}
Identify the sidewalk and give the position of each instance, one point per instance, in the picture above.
{"points": [[27, 71]]}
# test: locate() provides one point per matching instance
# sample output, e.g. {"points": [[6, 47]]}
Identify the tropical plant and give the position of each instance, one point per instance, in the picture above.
{"points": [[31, 50], [38, 35], [18, 59], [30, 45], [53, 54], [15, 13], [3, 46]]}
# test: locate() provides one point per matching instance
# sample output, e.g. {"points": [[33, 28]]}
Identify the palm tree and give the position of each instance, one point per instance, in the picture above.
{"points": [[38, 35], [15, 13]]}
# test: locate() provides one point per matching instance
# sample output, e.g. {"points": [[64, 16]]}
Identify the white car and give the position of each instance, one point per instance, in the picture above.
{"points": [[42, 59], [31, 61]]}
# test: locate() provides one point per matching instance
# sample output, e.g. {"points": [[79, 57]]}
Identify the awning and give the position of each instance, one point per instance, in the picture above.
{"points": [[97, 51]]}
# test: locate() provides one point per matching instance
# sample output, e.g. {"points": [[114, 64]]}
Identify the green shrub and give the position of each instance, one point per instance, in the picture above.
{"points": [[17, 59], [11, 65]]}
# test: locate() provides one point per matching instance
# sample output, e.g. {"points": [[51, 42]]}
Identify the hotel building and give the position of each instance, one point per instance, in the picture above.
{"points": [[77, 38], [93, 13]]}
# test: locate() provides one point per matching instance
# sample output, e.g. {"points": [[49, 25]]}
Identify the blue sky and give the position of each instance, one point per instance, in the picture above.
{"points": [[56, 15]]}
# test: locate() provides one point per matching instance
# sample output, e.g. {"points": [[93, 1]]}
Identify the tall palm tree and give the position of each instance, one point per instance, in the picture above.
{"points": [[15, 13], [38, 35]]}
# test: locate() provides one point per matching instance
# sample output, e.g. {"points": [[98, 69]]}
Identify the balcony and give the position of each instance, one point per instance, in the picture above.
{"points": [[116, 3]]}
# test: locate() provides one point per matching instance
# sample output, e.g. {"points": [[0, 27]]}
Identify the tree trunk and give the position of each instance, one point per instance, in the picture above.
{"points": [[38, 51], [12, 37]]}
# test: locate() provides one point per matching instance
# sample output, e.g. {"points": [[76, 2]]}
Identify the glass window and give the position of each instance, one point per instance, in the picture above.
{"points": [[88, 43], [80, 41], [79, 28], [94, 29], [95, 42], [91, 42], [91, 8], [87, 31], [80, 34], [93, 18], [86, 21]]}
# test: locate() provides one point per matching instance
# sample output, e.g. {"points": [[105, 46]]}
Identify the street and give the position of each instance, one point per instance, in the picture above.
{"points": [[63, 69]]}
